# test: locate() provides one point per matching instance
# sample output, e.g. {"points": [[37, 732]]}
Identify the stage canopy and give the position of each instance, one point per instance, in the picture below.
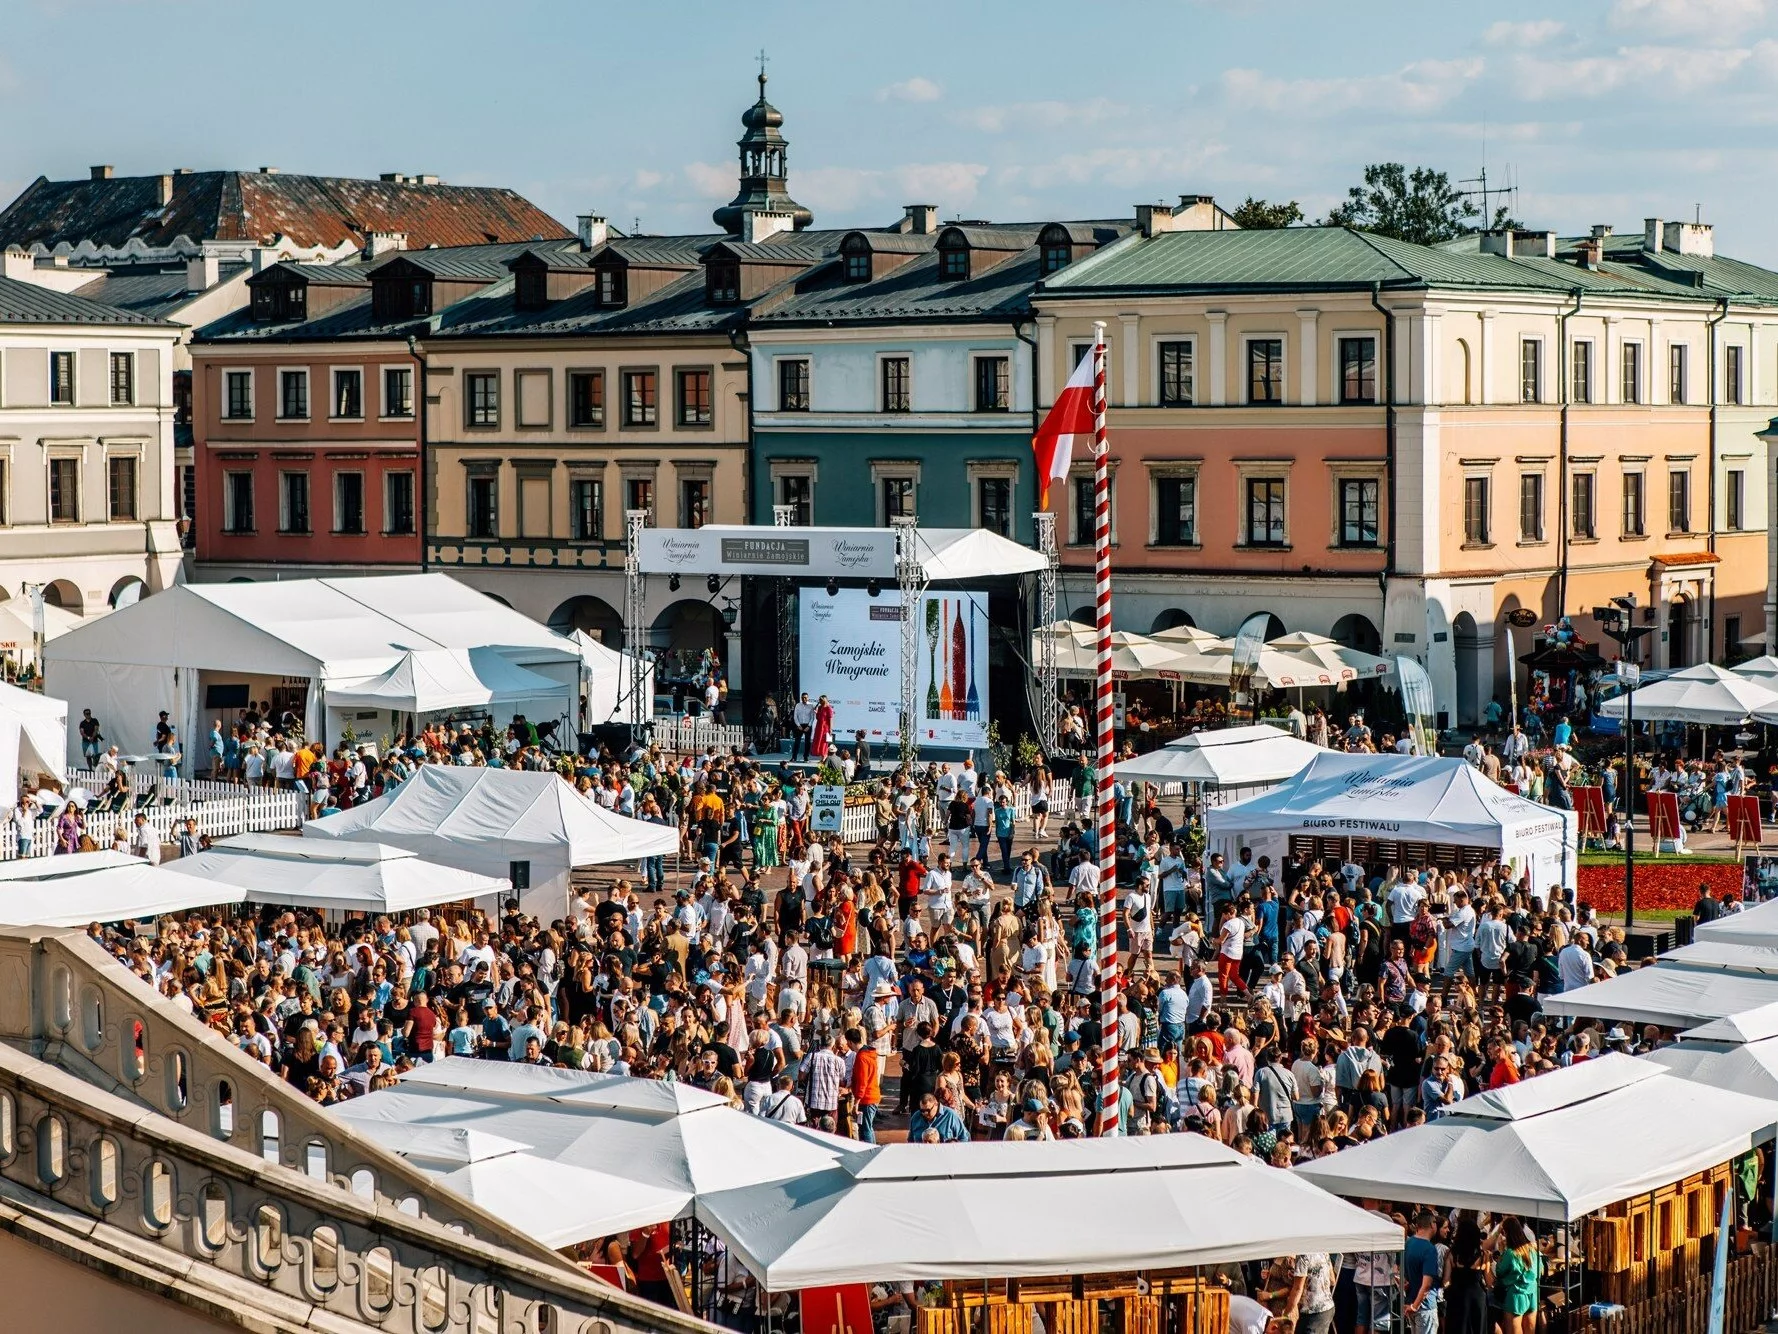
{"points": [[1757, 925], [1708, 695], [531, 828], [1556, 1147], [605, 680], [1670, 994], [670, 1138], [1420, 799], [947, 555], [1739, 1053], [923, 1212], [346, 876], [1248, 756], [33, 738], [79, 888]]}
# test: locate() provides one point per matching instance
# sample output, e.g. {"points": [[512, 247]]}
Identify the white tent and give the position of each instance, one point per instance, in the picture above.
{"points": [[33, 738], [78, 888], [18, 630], [671, 1137], [531, 828], [1706, 694], [1762, 669], [558, 1204], [342, 876], [196, 650], [1422, 799], [437, 680], [1672, 995], [1343, 662], [1739, 1053], [1757, 925], [1254, 755], [959, 555], [605, 680], [1555, 1147], [919, 1212]]}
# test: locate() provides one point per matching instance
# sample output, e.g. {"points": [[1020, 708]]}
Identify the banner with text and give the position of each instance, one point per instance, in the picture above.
{"points": [[851, 652]]}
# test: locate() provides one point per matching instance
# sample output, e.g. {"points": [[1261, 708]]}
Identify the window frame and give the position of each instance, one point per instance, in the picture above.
{"points": [[126, 360], [784, 471], [1361, 399], [1639, 528], [641, 411], [891, 366], [1678, 374], [1580, 371], [856, 264], [702, 485], [1734, 361], [999, 364], [228, 389], [387, 410], [1531, 377], [953, 263], [1734, 500], [134, 462], [340, 480], [335, 374], [286, 509], [1540, 489], [577, 530], [55, 465], [1478, 510], [1250, 344], [1630, 372], [1343, 539], [685, 414], [390, 478], [235, 483], [1163, 348], [474, 483], [1081, 476], [1679, 502], [63, 357], [479, 413], [1589, 479], [799, 398], [1249, 498], [288, 375], [574, 378], [1163, 516]]}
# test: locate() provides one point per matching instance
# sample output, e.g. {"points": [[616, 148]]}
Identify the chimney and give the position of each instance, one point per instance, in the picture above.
{"points": [[758, 224], [1498, 242], [1154, 219], [1651, 235], [268, 171], [393, 177], [1534, 244], [182, 171], [202, 272], [1587, 253], [384, 243], [919, 219], [19, 265], [424, 178], [1198, 213], [100, 173], [1689, 238], [594, 231], [1601, 231], [164, 183]]}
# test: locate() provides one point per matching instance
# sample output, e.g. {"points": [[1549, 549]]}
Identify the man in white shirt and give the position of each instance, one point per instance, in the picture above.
{"points": [[1404, 905], [936, 886], [1231, 945], [1460, 933], [1199, 997], [145, 842], [1241, 872], [981, 824], [1574, 965], [803, 717]]}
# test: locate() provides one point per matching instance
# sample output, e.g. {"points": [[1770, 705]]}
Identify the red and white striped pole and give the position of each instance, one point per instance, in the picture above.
{"points": [[1109, 1062]]}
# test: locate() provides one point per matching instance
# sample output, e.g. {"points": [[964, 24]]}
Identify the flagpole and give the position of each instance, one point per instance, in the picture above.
{"points": [[1109, 1058]]}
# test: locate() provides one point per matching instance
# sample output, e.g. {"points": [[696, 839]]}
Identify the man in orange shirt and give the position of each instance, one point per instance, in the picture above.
{"points": [[866, 1083]]}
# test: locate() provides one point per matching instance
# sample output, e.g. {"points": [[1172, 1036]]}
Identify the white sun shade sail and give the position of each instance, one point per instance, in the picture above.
{"points": [[1707, 695], [79, 888], [1672, 995], [920, 1212], [344, 876], [1555, 1147], [668, 1136], [1245, 756]]}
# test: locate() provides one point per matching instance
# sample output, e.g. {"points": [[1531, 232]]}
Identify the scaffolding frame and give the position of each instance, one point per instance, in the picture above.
{"points": [[1048, 699], [910, 578], [636, 616]]}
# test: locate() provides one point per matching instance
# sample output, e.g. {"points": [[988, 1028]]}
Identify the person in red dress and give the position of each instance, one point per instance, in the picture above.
{"points": [[822, 741]]}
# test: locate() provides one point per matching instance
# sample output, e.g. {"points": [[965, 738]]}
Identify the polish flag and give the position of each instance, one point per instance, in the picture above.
{"points": [[1069, 419]]}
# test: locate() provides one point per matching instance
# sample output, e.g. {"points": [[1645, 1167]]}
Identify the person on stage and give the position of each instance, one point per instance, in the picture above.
{"points": [[822, 739]]}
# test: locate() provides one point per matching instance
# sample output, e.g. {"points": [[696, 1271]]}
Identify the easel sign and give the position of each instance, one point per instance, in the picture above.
{"points": [[839, 1310], [1663, 818], [1744, 826], [1589, 809]]}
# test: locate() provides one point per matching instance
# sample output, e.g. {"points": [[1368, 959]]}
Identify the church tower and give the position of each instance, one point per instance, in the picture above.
{"points": [[763, 170]]}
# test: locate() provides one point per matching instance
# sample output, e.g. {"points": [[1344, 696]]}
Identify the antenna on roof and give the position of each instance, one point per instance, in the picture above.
{"points": [[636, 225], [1487, 195]]}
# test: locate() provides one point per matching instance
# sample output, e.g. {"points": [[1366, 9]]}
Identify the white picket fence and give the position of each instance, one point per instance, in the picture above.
{"points": [[220, 809], [684, 735]]}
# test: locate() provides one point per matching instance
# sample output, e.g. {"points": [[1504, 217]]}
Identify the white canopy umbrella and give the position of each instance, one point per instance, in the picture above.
{"points": [[1757, 925], [1132, 655], [1707, 695], [1347, 664], [18, 631], [1067, 628], [670, 1136], [1192, 637], [558, 1204], [1276, 669], [1247, 756], [1762, 669], [78, 888], [1739, 1052], [345, 876], [1556, 1147], [919, 1212], [1672, 995]]}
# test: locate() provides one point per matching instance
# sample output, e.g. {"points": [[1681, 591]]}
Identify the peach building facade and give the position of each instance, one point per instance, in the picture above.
{"points": [[1400, 445]]}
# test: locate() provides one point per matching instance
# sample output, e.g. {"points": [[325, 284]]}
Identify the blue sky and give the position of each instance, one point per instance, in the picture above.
{"points": [[1607, 111]]}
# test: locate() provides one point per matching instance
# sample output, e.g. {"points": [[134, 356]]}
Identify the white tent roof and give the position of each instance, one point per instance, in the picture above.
{"points": [[1757, 925], [1669, 994], [33, 736], [1763, 669], [957, 555], [667, 1136], [484, 819], [337, 629], [557, 1204], [350, 876], [916, 1212], [1224, 757], [18, 631], [82, 887], [1420, 799], [434, 680], [1730, 955], [1705, 694], [1555, 1147], [1346, 664], [1755, 1025], [1132, 655], [1723, 1055]]}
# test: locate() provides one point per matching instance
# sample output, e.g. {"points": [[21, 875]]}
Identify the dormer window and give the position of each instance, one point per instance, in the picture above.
{"points": [[400, 298], [611, 286], [280, 301], [722, 282], [420, 297], [530, 289], [858, 265], [1056, 256], [953, 263]]}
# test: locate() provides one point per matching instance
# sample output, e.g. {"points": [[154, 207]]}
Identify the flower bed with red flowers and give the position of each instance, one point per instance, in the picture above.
{"points": [[1670, 883]]}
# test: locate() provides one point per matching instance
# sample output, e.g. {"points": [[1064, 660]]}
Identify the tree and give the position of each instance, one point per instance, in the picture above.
{"points": [[1261, 215], [1421, 206]]}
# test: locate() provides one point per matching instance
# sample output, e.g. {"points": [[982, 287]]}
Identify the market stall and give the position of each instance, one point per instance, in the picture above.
{"points": [[1668, 993], [530, 828], [1422, 810], [1738, 1052], [1757, 925], [78, 888]]}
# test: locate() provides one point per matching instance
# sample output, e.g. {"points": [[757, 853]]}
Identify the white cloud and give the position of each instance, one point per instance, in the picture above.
{"points": [[712, 180], [1650, 70], [917, 89], [1533, 32], [947, 184], [1042, 115], [1706, 19], [1416, 88], [647, 179]]}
